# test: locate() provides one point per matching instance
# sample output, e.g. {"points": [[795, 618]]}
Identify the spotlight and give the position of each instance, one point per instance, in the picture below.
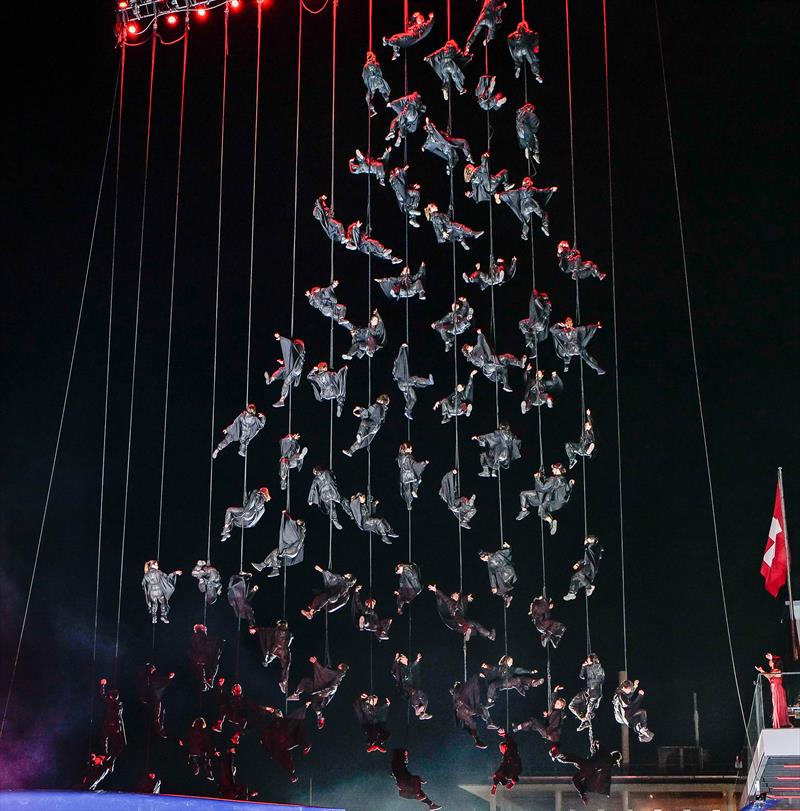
{"points": [[235, 4], [122, 5], [172, 19], [133, 28], [202, 12]]}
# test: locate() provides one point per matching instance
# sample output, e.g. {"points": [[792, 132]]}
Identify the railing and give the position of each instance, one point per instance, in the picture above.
{"points": [[761, 708]]}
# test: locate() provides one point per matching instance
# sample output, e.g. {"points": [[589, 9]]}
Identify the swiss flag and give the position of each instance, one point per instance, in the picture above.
{"points": [[773, 564]]}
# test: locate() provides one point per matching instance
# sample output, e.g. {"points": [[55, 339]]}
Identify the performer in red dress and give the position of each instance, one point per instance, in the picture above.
{"points": [[780, 710]]}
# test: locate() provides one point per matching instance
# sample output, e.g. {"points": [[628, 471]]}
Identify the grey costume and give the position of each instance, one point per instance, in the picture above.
{"points": [[463, 508], [502, 575], [409, 109], [535, 328], [333, 229], [456, 322], [158, 588], [485, 94], [372, 76], [275, 643], [406, 382], [409, 587], [523, 45], [363, 513], [527, 201], [506, 677], [292, 456], [366, 618], [502, 448], [324, 493], [467, 706], [321, 687], [629, 712], [408, 195], [242, 430], [356, 241], [527, 125], [453, 614], [549, 495], [483, 184], [290, 367], [291, 545], [404, 286], [540, 390], [494, 367], [247, 516], [324, 299], [489, 19], [585, 446], [329, 385], [410, 475], [447, 63], [445, 146], [550, 730], [459, 402], [372, 418], [208, 579], [365, 340], [446, 230], [497, 274], [585, 703], [550, 630], [585, 570], [239, 595], [363, 164], [572, 264], [407, 680], [334, 594], [417, 28], [570, 342]]}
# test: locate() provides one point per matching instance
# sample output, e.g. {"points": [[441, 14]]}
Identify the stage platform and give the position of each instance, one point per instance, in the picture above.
{"points": [[99, 800]]}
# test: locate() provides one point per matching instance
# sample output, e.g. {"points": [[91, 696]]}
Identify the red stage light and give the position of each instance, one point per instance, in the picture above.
{"points": [[122, 5], [172, 19], [133, 28], [235, 4], [202, 12]]}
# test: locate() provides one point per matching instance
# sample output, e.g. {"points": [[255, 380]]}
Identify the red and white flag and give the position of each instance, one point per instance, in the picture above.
{"points": [[773, 564]]}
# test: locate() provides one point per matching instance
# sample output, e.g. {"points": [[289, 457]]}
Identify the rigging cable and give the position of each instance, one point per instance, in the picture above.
{"points": [[696, 368]]}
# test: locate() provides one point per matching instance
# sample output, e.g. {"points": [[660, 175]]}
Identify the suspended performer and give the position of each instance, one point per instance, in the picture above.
{"points": [[229, 789], [150, 688], [409, 109], [324, 493], [447, 63], [459, 403], [275, 642], [507, 677], [593, 775], [404, 286], [290, 366], [324, 299], [329, 384], [550, 730], [333, 229], [572, 264], [408, 196], [283, 734], [585, 445], [158, 589], [112, 730], [291, 545], [292, 456], [361, 509], [483, 184], [366, 340], [490, 18], [523, 45], [550, 630], [204, 653], [467, 707], [372, 76], [321, 687], [497, 274], [365, 617], [453, 612], [462, 507], [372, 716], [409, 587], [248, 515], [334, 594], [501, 572], [199, 748], [406, 382], [445, 146], [527, 125], [570, 342], [535, 328], [584, 571], [628, 710], [363, 164], [494, 367], [549, 495], [417, 28], [527, 201], [149, 783], [488, 99], [356, 241], [540, 390], [502, 448], [240, 593], [372, 418], [584, 704], [209, 580], [410, 473], [236, 708], [406, 675], [454, 323], [242, 430], [409, 786], [97, 768], [508, 772]]}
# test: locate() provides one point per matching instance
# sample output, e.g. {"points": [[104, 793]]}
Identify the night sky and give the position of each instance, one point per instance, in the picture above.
{"points": [[731, 76]]}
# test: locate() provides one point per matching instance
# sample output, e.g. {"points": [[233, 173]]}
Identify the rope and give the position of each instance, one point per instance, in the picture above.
{"points": [[696, 368], [616, 350]]}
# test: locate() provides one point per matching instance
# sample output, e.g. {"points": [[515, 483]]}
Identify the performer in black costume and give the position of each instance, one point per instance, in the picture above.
{"points": [[324, 299], [467, 706], [456, 322], [593, 775], [361, 509], [291, 545], [527, 124], [453, 612], [209, 581], [417, 28], [539, 389], [409, 786], [488, 99], [356, 241], [497, 273], [483, 184], [459, 402], [585, 446], [240, 592], [507, 677], [535, 327], [508, 772], [333, 596], [324, 493], [204, 654], [550, 730], [570, 342], [584, 704], [502, 447], [406, 675], [501, 572], [283, 734], [523, 45], [410, 473], [275, 642], [571, 263], [550, 630], [445, 146], [292, 456], [462, 507], [372, 717], [329, 384], [549, 495], [372, 76], [363, 164], [366, 618], [242, 430], [150, 688], [365, 340], [404, 286], [490, 18], [158, 589], [97, 769], [447, 63], [372, 418], [199, 748], [248, 515], [406, 382], [494, 367], [333, 229], [409, 586], [628, 710], [112, 731], [409, 110], [584, 571], [526, 201], [408, 195], [290, 366], [236, 708]]}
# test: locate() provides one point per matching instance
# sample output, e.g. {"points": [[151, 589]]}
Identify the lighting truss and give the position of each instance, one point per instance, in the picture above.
{"points": [[147, 11]]}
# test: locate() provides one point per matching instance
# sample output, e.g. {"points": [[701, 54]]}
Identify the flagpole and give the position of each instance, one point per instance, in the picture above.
{"points": [[792, 623]]}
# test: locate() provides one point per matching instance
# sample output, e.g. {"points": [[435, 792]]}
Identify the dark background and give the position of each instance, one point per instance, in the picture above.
{"points": [[732, 82]]}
